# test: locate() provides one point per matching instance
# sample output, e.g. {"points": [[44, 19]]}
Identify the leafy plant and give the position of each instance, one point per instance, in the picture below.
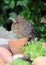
{"points": [[23, 3], [41, 30], [34, 49], [19, 62]]}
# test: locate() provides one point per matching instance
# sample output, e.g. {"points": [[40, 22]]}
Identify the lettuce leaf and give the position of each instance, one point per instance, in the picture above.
{"points": [[19, 62], [34, 49]]}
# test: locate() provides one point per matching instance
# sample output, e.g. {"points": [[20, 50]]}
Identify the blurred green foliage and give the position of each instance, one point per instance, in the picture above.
{"points": [[19, 61], [34, 49], [32, 10]]}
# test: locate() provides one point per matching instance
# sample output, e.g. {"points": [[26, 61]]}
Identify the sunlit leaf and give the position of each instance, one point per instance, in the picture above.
{"points": [[12, 15], [12, 4], [22, 3]]}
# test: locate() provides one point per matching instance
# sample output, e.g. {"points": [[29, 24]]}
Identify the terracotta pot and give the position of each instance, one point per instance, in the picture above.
{"points": [[16, 45], [5, 55], [43, 44], [1, 61], [41, 60]]}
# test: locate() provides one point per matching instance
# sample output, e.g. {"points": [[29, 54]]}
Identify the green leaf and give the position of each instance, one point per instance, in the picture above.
{"points": [[44, 3], [26, 13], [31, 21], [43, 39], [19, 62], [22, 3], [8, 64], [12, 4], [12, 15], [6, 1], [34, 49], [9, 3]]}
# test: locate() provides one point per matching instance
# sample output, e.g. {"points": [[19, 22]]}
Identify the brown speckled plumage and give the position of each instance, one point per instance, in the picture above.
{"points": [[21, 27]]}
